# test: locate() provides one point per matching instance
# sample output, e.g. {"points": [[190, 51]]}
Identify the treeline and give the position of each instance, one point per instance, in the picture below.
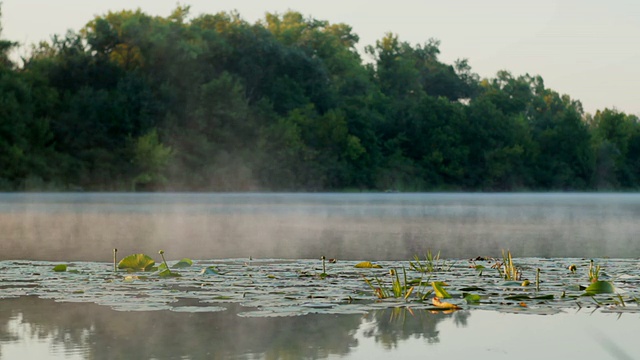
{"points": [[214, 103]]}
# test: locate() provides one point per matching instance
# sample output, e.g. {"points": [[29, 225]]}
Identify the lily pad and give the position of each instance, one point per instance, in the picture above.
{"points": [[137, 262], [168, 273], [600, 287], [472, 299], [368, 265], [60, 268], [183, 263]]}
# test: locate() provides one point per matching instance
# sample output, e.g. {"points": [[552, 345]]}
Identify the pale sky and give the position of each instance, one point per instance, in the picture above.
{"points": [[589, 49]]}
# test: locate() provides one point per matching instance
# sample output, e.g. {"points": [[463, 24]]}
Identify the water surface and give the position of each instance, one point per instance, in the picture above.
{"points": [[263, 310], [346, 226]]}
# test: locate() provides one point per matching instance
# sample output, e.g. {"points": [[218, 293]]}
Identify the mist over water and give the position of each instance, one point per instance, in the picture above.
{"points": [[394, 226]]}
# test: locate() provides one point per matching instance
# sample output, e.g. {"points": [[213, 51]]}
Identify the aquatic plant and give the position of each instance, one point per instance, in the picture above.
{"points": [[60, 268], [324, 268], [276, 288], [594, 272], [431, 264], [600, 287], [163, 269], [507, 268], [137, 262], [438, 288], [367, 265], [443, 305], [183, 263], [399, 288]]}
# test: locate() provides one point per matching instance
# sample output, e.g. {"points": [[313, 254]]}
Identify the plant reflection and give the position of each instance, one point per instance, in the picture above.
{"points": [[101, 333], [390, 326]]}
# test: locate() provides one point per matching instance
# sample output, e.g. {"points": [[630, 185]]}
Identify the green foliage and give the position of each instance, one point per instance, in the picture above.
{"points": [[136, 262], [594, 272], [600, 287], [431, 264], [151, 158], [214, 103], [400, 287], [183, 263], [60, 268], [438, 288]]}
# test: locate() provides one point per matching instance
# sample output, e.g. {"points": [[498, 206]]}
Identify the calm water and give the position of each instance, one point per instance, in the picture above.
{"points": [[32, 328], [345, 226], [72, 227]]}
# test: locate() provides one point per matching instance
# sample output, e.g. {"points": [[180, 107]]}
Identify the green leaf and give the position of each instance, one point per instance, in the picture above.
{"points": [[368, 265], [60, 268], [183, 263], [472, 299], [168, 273], [137, 262], [438, 287], [600, 287]]}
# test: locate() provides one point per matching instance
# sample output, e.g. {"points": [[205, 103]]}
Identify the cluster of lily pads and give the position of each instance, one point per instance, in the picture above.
{"points": [[276, 287]]}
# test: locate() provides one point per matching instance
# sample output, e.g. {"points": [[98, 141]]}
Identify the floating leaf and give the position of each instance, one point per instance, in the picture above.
{"points": [[600, 287], [438, 287], [137, 262], [60, 268], [183, 263], [472, 299], [368, 265], [479, 269], [443, 305], [168, 273]]}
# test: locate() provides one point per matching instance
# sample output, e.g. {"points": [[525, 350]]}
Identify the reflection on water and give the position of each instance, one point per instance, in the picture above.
{"points": [[347, 226], [45, 329]]}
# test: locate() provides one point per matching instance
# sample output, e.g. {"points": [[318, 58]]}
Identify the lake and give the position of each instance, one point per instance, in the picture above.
{"points": [[346, 226], [266, 300]]}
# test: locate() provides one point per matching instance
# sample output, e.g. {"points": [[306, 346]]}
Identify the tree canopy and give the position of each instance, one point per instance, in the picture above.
{"points": [[214, 103]]}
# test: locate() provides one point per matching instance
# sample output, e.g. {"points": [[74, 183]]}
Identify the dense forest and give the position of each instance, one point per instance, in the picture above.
{"points": [[214, 103]]}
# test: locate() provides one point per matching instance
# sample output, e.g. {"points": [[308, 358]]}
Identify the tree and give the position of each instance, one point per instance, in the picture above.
{"points": [[613, 133], [151, 158]]}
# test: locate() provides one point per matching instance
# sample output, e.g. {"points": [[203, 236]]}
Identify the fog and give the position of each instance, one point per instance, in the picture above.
{"points": [[387, 226]]}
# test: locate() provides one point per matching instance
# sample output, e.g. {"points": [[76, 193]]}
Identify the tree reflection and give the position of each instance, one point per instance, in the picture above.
{"points": [[102, 333]]}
